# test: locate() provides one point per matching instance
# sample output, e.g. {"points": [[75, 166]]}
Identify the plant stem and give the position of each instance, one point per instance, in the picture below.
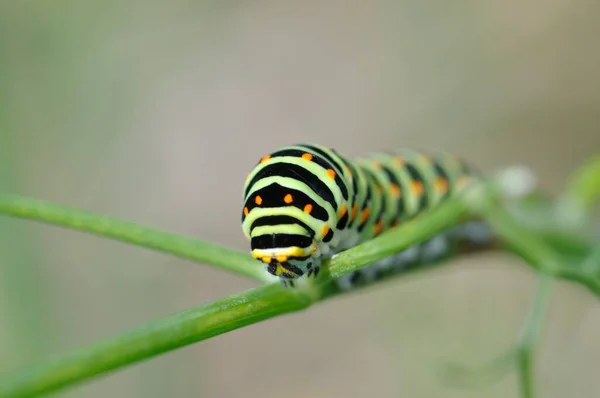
{"points": [[531, 332], [429, 224], [218, 317], [584, 185], [157, 337], [177, 245], [254, 305]]}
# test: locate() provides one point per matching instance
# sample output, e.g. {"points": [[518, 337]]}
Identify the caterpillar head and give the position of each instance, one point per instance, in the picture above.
{"points": [[284, 216], [286, 256]]}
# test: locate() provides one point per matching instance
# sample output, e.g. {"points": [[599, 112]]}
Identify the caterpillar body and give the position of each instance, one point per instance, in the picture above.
{"points": [[305, 203]]}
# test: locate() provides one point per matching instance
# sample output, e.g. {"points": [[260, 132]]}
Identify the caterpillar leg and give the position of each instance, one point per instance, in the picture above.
{"points": [[310, 272], [287, 282], [313, 271], [418, 254]]}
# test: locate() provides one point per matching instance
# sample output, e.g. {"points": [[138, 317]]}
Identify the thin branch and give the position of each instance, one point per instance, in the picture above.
{"points": [[154, 338], [531, 333], [176, 245], [404, 236], [252, 306], [521, 354], [218, 317], [583, 190]]}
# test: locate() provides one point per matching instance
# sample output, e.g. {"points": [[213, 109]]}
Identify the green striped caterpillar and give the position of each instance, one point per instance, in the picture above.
{"points": [[305, 203]]}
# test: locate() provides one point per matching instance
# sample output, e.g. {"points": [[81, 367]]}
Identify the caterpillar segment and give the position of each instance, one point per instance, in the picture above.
{"points": [[304, 203]]}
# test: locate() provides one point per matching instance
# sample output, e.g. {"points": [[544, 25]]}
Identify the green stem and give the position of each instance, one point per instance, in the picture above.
{"points": [[404, 236], [156, 337], [531, 333], [559, 260], [219, 317], [240, 310], [177, 245], [520, 239], [217, 256], [542, 257], [584, 185]]}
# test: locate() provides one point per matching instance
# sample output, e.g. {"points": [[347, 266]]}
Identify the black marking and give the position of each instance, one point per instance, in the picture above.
{"points": [[382, 209], [343, 221], [325, 155], [354, 181], [287, 282], [294, 271], [272, 241], [352, 169], [291, 267], [281, 220], [439, 170], [296, 172], [355, 278], [390, 175], [415, 175], [328, 236], [365, 205], [372, 182], [273, 194], [325, 163]]}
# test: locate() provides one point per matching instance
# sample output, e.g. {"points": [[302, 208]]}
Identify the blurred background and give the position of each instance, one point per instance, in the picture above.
{"points": [[155, 112]]}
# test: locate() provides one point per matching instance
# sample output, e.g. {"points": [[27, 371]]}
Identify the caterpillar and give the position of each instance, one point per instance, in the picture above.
{"points": [[304, 203]]}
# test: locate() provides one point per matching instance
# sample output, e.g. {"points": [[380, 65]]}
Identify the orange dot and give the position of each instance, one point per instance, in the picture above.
{"points": [[331, 173], [343, 211], [245, 211], [281, 259], [379, 227], [365, 214], [417, 187], [258, 200], [325, 230], [265, 158], [395, 189], [441, 184], [354, 211], [308, 208], [288, 198], [307, 156], [266, 260]]}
